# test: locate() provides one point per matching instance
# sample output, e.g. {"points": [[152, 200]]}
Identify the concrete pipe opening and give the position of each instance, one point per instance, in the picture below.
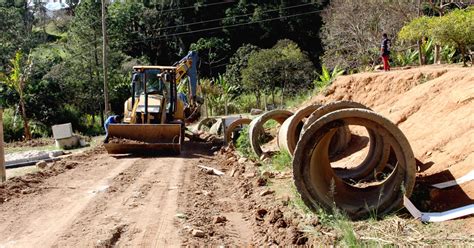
{"points": [[342, 143], [319, 184], [257, 131], [289, 132], [230, 131], [206, 124]]}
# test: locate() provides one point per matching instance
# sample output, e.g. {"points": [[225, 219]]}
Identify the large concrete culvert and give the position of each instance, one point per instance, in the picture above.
{"points": [[320, 185], [231, 128], [206, 124], [256, 127], [378, 152], [289, 132]]}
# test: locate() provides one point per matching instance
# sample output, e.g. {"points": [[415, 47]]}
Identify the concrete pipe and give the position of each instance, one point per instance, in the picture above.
{"points": [[320, 186], [378, 152], [230, 129], [217, 127], [256, 127], [206, 122], [289, 132]]}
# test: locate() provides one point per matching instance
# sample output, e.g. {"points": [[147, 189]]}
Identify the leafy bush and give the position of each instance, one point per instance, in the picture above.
{"points": [[407, 57], [12, 125], [243, 144], [326, 77]]}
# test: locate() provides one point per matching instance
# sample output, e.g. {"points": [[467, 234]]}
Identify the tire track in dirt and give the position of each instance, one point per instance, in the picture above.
{"points": [[137, 210], [37, 221]]}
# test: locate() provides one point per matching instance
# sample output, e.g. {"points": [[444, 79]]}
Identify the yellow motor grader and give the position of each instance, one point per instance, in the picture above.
{"points": [[156, 113]]}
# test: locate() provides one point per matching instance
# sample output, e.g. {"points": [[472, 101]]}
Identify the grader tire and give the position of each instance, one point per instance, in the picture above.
{"points": [[320, 186]]}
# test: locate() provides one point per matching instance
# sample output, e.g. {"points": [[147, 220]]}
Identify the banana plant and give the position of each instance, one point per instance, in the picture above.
{"points": [[17, 79], [327, 77], [407, 57]]}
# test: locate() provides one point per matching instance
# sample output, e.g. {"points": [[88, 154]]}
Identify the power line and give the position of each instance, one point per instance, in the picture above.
{"points": [[166, 36], [221, 19], [181, 8], [198, 6]]}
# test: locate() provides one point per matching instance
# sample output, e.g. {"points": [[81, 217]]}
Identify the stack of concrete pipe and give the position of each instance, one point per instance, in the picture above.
{"points": [[315, 134]]}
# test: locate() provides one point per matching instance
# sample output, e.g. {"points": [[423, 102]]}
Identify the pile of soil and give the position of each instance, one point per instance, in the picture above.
{"points": [[115, 140], [30, 143], [33, 182], [434, 107]]}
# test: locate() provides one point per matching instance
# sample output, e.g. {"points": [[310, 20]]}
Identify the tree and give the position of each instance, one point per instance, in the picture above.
{"points": [[12, 36], [259, 76], [417, 30], [82, 66], [211, 50], [352, 30], [17, 80], [456, 28], [239, 60]]}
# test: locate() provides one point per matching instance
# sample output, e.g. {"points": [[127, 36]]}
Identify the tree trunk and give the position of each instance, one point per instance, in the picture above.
{"points": [[420, 53], [282, 93], [463, 54], [437, 54], [93, 120], [265, 102], [102, 121], [273, 97], [225, 106], [257, 98], [26, 126], [3, 173], [104, 58]]}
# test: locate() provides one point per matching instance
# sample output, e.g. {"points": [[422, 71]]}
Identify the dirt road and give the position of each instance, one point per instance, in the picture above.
{"points": [[103, 201]]}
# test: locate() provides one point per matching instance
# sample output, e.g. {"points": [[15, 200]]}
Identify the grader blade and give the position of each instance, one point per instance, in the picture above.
{"points": [[144, 138]]}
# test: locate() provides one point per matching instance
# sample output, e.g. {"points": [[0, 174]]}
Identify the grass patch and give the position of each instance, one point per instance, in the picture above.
{"points": [[243, 144], [281, 161]]}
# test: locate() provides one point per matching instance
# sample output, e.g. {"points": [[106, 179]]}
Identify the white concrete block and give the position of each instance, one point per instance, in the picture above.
{"points": [[62, 131]]}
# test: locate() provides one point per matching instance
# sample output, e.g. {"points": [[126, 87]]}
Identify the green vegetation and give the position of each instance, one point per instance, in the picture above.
{"points": [[281, 161], [326, 78], [451, 30], [243, 144], [254, 54]]}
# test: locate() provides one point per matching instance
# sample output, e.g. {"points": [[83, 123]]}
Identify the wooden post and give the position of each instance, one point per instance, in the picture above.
{"points": [[3, 174]]}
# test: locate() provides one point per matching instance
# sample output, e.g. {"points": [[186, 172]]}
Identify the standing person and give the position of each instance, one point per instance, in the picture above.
{"points": [[385, 50], [111, 120]]}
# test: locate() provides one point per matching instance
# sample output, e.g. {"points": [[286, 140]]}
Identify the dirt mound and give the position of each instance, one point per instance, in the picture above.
{"points": [[33, 182], [30, 143], [433, 106]]}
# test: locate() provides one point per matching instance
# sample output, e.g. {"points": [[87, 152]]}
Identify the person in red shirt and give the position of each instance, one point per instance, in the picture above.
{"points": [[385, 52]]}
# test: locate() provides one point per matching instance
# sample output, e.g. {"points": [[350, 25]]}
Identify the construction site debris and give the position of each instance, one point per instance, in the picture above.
{"points": [[211, 171]]}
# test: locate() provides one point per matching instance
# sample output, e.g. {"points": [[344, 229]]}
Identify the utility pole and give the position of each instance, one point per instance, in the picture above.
{"points": [[104, 58], [3, 174]]}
